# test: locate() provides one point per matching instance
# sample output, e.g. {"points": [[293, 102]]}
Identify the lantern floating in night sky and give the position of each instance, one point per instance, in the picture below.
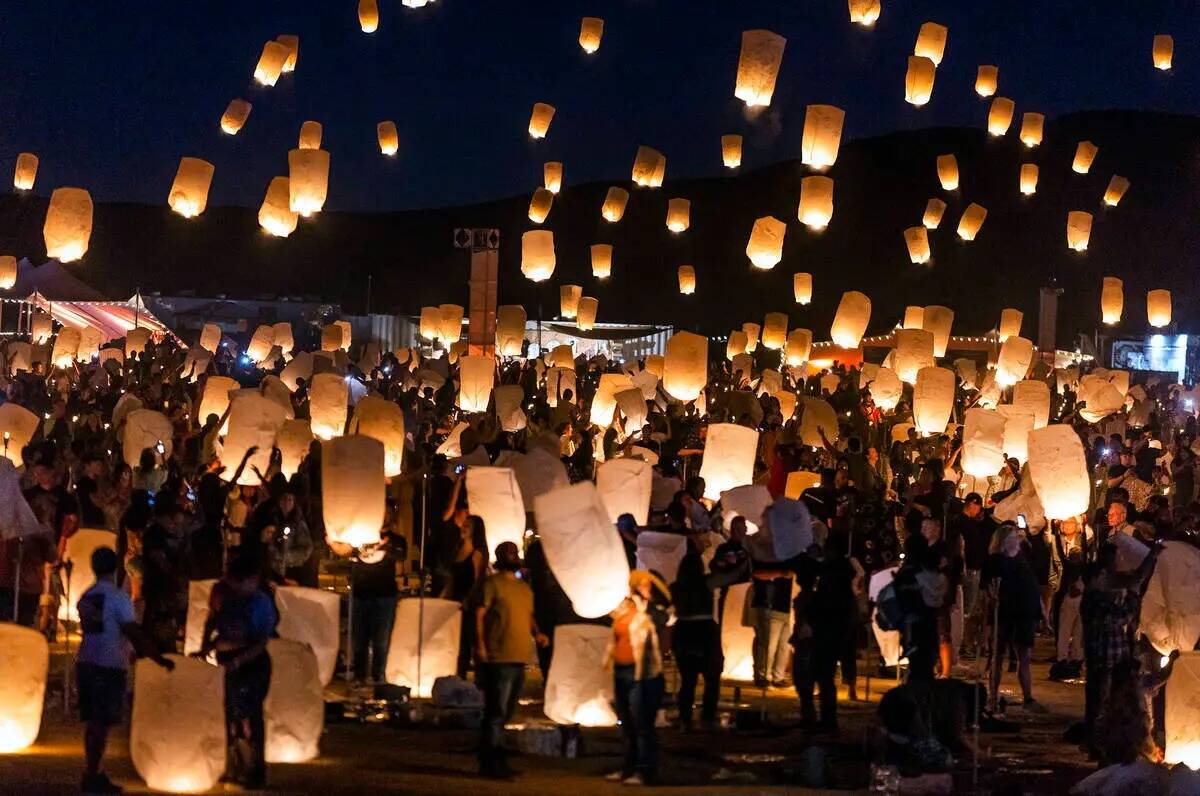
{"points": [[189, 192], [1033, 397], [864, 12], [1117, 187], [802, 287], [8, 272], [602, 257], [938, 320], [679, 215], [822, 136], [816, 202], [539, 119], [368, 16], [552, 176], [1079, 230], [1010, 323], [687, 280], [328, 397], [614, 204], [731, 151], [649, 167], [983, 442], [933, 399], [931, 42], [947, 171], [971, 221], [510, 329], [25, 172], [537, 255], [311, 134], [913, 351], [389, 138], [275, 215], [774, 330], [685, 368], [383, 420], [850, 321], [1158, 308], [799, 347], [591, 30], [1162, 51], [918, 80], [270, 63], [917, 241], [292, 42], [1029, 178], [765, 248], [353, 488], [934, 210], [1000, 116], [539, 205], [1085, 153], [914, 318], [68, 227], [1031, 128], [758, 66], [1013, 361], [734, 346], [1059, 471], [308, 180], [1112, 300], [728, 459], [986, 79], [568, 300], [450, 326], [589, 307]]}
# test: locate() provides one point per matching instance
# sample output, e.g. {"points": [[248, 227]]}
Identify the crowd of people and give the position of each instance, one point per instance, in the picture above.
{"points": [[974, 572]]}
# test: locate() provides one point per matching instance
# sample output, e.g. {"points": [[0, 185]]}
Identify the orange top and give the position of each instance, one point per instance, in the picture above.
{"points": [[623, 646]]}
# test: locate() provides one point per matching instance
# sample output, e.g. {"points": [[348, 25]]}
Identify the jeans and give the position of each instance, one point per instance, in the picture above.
{"points": [[245, 693], [697, 647], [373, 617], [771, 630], [813, 667], [1070, 629], [637, 703], [970, 588], [502, 683]]}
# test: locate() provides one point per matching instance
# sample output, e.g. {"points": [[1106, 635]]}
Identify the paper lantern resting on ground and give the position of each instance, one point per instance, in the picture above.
{"points": [[931, 41], [624, 488], [822, 136], [1013, 361], [540, 204], [1059, 471], [1079, 230], [1000, 116], [918, 80], [275, 214], [308, 180], [765, 248], [383, 420], [850, 321], [294, 709], [1158, 308], [1029, 178], [939, 321], [947, 170], [1112, 299], [68, 227], [177, 728], [477, 374], [731, 151], [1085, 153], [687, 280], [933, 399], [613, 208], [25, 172], [537, 254], [986, 78], [589, 306], [737, 641], [328, 397], [235, 116], [1162, 51], [685, 369], [649, 167], [816, 202], [270, 63], [913, 351], [495, 496], [758, 66], [424, 644], [539, 119], [728, 459], [353, 489], [971, 221], [679, 215], [934, 210], [1031, 129], [591, 29], [579, 688], [24, 664], [1117, 187], [602, 256], [916, 239], [802, 287], [388, 137], [583, 548]]}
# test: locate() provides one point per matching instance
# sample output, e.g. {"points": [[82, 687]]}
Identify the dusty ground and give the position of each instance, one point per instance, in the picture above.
{"points": [[778, 758]]}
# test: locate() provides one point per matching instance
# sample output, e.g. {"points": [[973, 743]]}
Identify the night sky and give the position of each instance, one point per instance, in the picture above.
{"points": [[110, 95]]}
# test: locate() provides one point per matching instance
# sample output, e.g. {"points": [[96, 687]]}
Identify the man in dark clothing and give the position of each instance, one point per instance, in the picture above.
{"points": [[822, 500], [696, 641], [551, 605], [373, 582], [974, 527]]}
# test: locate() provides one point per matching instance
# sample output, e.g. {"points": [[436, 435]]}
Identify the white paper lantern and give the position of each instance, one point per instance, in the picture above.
{"points": [[947, 170], [602, 257], [971, 221], [583, 548], [424, 644], [933, 399], [728, 459], [624, 488], [865, 13], [1100, 398], [308, 180], [68, 227], [818, 418], [1000, 116], [1010, 323], [177, 729], [477, 374], [914, 351], [918, 80], [8, 271], [510, 330], [687, 280], [537, 254], [1079, 230], [66, 347], [822, 136], [449, 327], [539, 120], [1085, 153], [931, 41], [934, 210], [540, 204], [1161, 52], [1031, 129], [388, 137], [311, 616], [579, 687], [293, 441], [737, 641], [254, 421], [1018, 422], [1112, 300], [799, 347], [294, 709], [353, 489], [495, 496], [850, 321], [235, 116], [685, 368], [145, 428], [1013, 361], [261, 343], [758, 67], [383, 420], [986, 78], [1029, 178], [24, 664], [736, 344], [752, 331], [591, 29], [275, 215], [916, 240], [328, 397], [1182, 719], [886, 389], [1033, 397], [914, 318], [1158, 308], [25, 172], [613, 208], [802, 287], [568, 300], [1059, 471], [679, 215], [731, 151], [765, 248], [649, 167], [939, 321], [983, 443], [189, 192], [816, 202], [604, 402]]}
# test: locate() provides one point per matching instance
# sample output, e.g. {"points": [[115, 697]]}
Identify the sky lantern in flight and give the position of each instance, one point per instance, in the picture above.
{"points": [[983, 442], [914, 318], [1112, 300], [734, 346], [916, 239], [752, 331], [947, 171], [864, 12], [1000, 116], [1085, 153], [613, 208], [931, 42], [822, 136], [1079, 229], [308, 180], [758, 67], [510, 329], [765, 248], [938, 321], [1010, 323], [918, 80], [270, 63], [275, 215], [68, 227], [354, 488], [774, 330], [589, 308], [1158, 308], [649, 167], [685, 369], [816, 202], [1162, 51], [368, 16], [389, 139], [798, 348], [591, 30], [310, 135], [450, 325], [1117, 187], [731, 151], [687, 280], [850, 321], [971, 221], [189, 192], [679, 215], [8, 272], [602, 256], [539, 205], [539, 119], [552, 176], [913, 351], [1029, 178], [934, 210], [537, 254], [933, 399], [1059, 470], [1032, 125], [477, 375], [292, 42], [25, 172], [986, 79], [568, 300], [802, 287], [1013, 361], [235, 116]]}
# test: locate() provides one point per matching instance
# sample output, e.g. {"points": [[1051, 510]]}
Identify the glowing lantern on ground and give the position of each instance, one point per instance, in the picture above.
{"points": [[26, 171], [328, 396], [368, 16], [1085, 153], [352, 488], [624, 488], [649, 167], [802, 287], [816, 202], [983, 443], [1162, 51], [687, 280], [734, 346], [270, 63], [254, 421], [728, 459], [850, 321], [971, 221], [1158, 308], [293, 441], [918, 80], [1059, 471], [679, 215], [917, 241], [737, 641], [294, 709], [383, 420], [1000, 116], [8, 272], [430, 326], [1079, 230], [275, 215], [934, 210], [388, 137], [1112, 299], [731, 151], [66, 346], [552, 176], [539, 205], [931, 42], [1117, 187], [1033, 397], [568, 300], [235, 116], [591, 30], [177, 728], [1182, 729], [886, 389], [1013, 361], [865, 13], [1010, 323], [765, 248], [947, 171], [822, 136], [589, 306], [496, 497], [310, 135], [758, 66], [68, 226], [986, 78], [938, 321], [24, 664], [145, 429], [579, 688], [583, 548], [685, 368], [615, 200], [933, 399], [510, 329], [914, 351], [774, 331], [914, 318], [308, 180], [539, 119], [292, 42], [1029, 178], [602, 255], [477, 373], [752, 330], [424, 645], [537, 254], [799, 347]]}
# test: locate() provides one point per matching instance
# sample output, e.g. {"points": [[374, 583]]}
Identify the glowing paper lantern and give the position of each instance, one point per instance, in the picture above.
{"points": [[89, 345], [261, 343], [591, 30], [802, 286], [270, 63], [1117, 187], [728, 459], [568, 300], [66, 347], [41, 329], [510, 329], [583, 548], [886, 389], [752, 330], [1017, 425], [331, 337], [851, 319], [26, 171], [8, 272], [293, 441], [1031, 129], [687, 280], [424, 644], [1112, 300], [294, 709], [552, 176], [1000, 116], [765, 248], [136, 341], [931, 42], [281, 334], [1029, 178], [615, 200], [388, 137], [624, 488], [368, 16], [563, 357], [539, 119], [1079, 230], [947, 170], [865, 13], [758, 66], [737, 641], [822, 136], [818, 418], [774, 331], [235, 116], [275, 214], [1162, 51], [933, 399], [68, 226], [292, 42], [308, 180], [983, 443], [24, 664], [939, 321], [476, 373], [685, 368], [604, 402], [971, 221], [986, 78], [1033, 397], [914, 318], [328, 396], [177, 728], [1100, 398], [918, 80], [649, 167], [383, 420], [310, 616], [731, 151], [679, 215], [602, 256], [1013, 361], [430, 326], [509, 398], [496, 497], [145, 428], [353, 489], [914, 351], [1059, 471], [310, 135], [816, 202], [934, 210], [579, 688], [735, 346], [539, 205], [916, 239], [537, 254], [589, 306], [799, 347], [78, 551], [1158, 308], [1010, 323], [215, 399], [1085, 153]]}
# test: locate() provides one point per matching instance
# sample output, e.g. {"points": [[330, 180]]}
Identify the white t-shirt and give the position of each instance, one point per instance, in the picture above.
{"points": [[103, 611]]}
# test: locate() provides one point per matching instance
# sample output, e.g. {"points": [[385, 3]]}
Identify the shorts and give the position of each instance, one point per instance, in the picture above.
{"points": [[1018, 632], [101, 692]]}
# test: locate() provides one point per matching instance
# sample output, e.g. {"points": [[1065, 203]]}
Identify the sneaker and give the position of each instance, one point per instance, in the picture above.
{"points": [[98, 783], [633, 779], [615, 776]]}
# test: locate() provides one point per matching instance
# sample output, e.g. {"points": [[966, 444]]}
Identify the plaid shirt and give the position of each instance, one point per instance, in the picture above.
{"points": [[1110, 618]]}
